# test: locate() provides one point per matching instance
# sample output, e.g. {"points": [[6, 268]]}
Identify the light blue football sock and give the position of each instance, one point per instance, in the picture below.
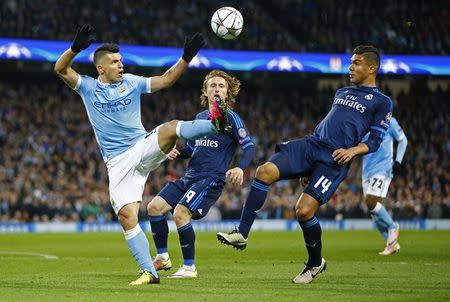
{"points": [[381, 227], [383, 219], [140, 249], [195, 129]]}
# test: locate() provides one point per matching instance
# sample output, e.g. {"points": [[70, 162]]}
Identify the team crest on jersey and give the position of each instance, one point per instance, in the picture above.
{"points": [[242, 133], [122, 90], [368, 96]]}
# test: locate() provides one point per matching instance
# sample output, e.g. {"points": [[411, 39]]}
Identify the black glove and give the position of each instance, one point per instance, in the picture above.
{"points": [[397, 168], [83, 38], [192, 46]]}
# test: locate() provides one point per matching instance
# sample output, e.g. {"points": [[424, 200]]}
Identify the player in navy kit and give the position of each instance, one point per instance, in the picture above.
{"points": [[192, 196], [324, 157]]}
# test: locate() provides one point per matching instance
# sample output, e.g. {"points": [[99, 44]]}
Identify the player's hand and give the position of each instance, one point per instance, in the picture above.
{"points": [[83, 38], [343, 156], [397, 168], [173, 154], [192, 45], [235, 175]]}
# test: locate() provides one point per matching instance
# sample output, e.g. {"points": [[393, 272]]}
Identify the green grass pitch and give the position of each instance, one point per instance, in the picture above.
{"points": [[98, 267]]}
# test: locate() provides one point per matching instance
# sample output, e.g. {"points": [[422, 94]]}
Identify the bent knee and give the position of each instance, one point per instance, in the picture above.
{"points": [[303, 214], [158, 206], [268, 173], [181, 214], [371, 201], [168, 128], [304, 211]]}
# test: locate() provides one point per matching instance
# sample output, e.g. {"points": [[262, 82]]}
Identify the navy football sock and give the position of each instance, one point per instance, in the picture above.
{"points": [[187, 243], [160, 232], [253, 204], [312, 233]]}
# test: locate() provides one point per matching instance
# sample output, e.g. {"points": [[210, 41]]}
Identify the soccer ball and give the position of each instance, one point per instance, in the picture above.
{"points": [[227, 23]]}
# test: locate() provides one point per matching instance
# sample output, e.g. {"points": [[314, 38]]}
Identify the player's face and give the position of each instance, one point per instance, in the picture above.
{"points": [[216, 87], [359, 69], [110, 68]]}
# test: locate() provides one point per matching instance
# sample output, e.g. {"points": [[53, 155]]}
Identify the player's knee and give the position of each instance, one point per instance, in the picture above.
{"points": [[127, 220], [158, 206], [153, 209], [167, 136], [371, 201], [181, 215], [168, 130], [267, 173], [304, 211]]}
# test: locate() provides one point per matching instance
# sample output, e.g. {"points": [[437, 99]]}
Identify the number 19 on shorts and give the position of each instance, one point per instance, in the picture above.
{"points": [[189, 195]]}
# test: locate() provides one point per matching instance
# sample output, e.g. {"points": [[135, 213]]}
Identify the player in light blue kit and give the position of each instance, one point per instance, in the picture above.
{"points": [[113, 106], [377, 171]]}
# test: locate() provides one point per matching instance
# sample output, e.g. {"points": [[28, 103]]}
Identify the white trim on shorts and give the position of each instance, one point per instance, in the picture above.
{"points": [[129, 171], [376, 185]]}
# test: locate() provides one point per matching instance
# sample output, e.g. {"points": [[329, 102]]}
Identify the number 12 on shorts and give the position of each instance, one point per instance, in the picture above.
{"points": [[324, 182]]}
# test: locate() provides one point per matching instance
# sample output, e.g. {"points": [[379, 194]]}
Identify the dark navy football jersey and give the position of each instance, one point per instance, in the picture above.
{"points": [[355, 112], [212, 154]]}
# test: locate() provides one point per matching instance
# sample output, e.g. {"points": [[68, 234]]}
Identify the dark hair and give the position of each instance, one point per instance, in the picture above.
{"points": [[370, 52], [103, 49]]}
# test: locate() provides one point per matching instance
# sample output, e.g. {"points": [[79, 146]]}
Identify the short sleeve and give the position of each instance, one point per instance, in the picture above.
{"points": [[142, 84]]}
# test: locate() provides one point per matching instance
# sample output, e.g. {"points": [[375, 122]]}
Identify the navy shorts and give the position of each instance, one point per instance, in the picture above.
{"points": [[303, 157], [197, 195]]}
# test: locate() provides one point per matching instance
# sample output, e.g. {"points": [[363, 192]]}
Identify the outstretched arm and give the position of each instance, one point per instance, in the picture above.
{"points": [[64, 70], [63, 66], [191, 47]]}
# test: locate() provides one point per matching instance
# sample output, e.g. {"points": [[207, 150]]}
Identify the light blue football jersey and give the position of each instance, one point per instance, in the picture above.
{"points": [[381, 162], [114, 111]]}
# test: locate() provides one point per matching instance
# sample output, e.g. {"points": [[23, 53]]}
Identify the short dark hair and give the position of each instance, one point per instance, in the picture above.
{"points": [[371, 53], [103, 49]]}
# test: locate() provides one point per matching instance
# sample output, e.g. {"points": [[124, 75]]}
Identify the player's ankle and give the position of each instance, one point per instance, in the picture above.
{"points": [[163, 256]]}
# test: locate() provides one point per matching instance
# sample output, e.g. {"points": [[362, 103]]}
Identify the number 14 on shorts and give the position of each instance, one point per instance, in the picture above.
{"points": [[324, 182]]}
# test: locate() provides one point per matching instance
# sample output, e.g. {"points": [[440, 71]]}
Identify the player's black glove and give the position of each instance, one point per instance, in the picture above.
{"points": [[192, 45], [397, 168], [83, 38]]}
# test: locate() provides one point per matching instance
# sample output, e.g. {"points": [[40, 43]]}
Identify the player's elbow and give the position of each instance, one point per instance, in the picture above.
{"points": [[405, 141], [59, 70], [372, 145], [168, 82]]}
